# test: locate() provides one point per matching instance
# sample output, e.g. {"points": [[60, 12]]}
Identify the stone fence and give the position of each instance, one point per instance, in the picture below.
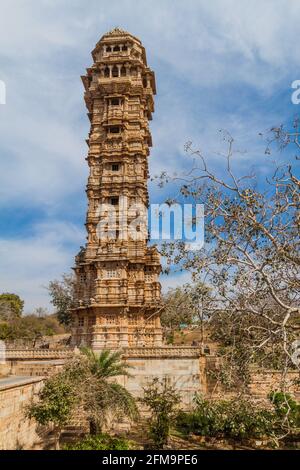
{"points": [[158, 352], [162, 351], [27, 354]]}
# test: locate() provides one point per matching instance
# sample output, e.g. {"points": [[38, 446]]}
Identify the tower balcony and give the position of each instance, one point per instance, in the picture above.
{"points": [[105, 252], [113, 114], [123, 54], [109, 84]]}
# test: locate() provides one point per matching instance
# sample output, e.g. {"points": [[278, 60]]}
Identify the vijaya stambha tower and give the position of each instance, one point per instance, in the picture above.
{"points": [[117, 286]]}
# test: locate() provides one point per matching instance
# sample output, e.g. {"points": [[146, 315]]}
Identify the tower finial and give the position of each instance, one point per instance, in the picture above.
{"points": [[116, 31]]}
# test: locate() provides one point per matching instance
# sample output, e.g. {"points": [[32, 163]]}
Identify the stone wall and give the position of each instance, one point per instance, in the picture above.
{"points": [[17, 431], [178, 366], [4, 369], [36, 368], [262, 382]]}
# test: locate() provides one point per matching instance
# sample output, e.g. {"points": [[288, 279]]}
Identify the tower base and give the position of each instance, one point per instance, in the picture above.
{"points": [[118, 327]]}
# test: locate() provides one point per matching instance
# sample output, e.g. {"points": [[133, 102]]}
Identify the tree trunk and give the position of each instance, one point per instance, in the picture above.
{"points": [[94, 427], [57, 438]]}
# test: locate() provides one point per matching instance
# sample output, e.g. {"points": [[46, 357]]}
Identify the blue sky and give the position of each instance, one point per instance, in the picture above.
{"points": [[219, 64]]}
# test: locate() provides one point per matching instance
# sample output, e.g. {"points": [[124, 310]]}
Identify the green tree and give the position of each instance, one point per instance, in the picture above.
{"points": [[56, 403], [162, 400], [85, 387], [62, 297], [11, 306], [103, 397], [29, 328]]}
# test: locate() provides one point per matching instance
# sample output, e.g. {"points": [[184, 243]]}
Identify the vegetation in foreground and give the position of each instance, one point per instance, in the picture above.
{"points": [[84, 388], [101, 442], [242, 419], [162, 400]]}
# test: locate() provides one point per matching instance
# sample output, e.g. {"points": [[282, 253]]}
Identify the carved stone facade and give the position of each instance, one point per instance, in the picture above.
{"points": [[117, 286]]}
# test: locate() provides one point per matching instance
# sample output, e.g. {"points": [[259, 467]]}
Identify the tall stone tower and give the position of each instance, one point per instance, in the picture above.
{"points": [[117, 287]]}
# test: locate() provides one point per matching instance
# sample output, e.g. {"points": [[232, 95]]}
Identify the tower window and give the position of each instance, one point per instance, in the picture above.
{"points": [[106, 72], [114, 130], [108, 49], [124, 48], [115, 101], [116, 48], [115, 71], [81, 321], [114, 201], [123, 71], [115, 167], [111, 273]]}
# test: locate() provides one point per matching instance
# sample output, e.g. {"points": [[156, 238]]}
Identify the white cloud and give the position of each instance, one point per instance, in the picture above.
{"points": [[28, 264], [45, 47], [200, 51]]}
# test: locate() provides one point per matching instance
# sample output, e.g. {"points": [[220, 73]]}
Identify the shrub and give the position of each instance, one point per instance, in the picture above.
{"points": [[287, 411], [162, 400], [236, 418], [100, 442], [56, 402]]}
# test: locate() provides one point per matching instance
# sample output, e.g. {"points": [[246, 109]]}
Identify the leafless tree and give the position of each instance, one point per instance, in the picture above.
{"points": [[251, 256]]}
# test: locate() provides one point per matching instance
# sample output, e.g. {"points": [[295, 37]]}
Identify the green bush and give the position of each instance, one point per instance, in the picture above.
{"points": [[100, 442], [162, 400], [227, 418], [286, 409]]}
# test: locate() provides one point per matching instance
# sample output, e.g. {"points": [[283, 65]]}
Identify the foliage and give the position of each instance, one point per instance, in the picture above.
{"points": [[11, 306], [237, 418], [287, 410], [56, 403], [14, 326], [30, 328], [84, 385], [101, 397], [106, 364], [162, 399], [184, 306], [62, 297], [100, 442]]}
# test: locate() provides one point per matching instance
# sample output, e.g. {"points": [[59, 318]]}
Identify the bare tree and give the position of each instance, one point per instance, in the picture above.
{"points": [[251, 256]]}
